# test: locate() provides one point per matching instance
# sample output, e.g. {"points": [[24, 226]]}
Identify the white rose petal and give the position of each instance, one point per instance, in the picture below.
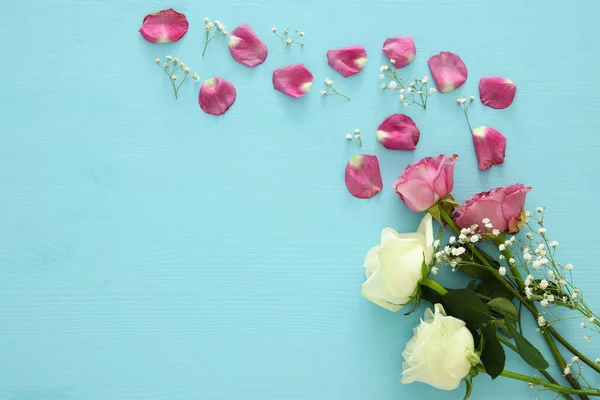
{"points": [[438, 352]]}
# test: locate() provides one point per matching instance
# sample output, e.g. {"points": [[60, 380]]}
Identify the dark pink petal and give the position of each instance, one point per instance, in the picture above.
{"points": [[497, 93], [448, 70], [246, 48], [348, 61], [295, 80], [398, 132], [401, 49], [363, 177], [490, 146], [216, 96], [164, 26]]}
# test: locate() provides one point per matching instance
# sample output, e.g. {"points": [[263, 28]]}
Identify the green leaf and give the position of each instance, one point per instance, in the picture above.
{"points": [[467, 306], [502, 326], [504, 307], [527, 351], [471, 285], [424, 267], [476, 272], [493, 357], [493, 289], [469, 384]]}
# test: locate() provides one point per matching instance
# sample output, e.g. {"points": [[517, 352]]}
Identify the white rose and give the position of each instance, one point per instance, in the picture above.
{"points": [[439, 353], [393, 268]]}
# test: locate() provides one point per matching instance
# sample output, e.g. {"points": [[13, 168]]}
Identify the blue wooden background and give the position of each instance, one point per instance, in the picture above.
{"points": [[150, 251]]}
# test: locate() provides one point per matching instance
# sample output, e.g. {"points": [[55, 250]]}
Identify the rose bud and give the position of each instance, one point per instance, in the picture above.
{"points": [[425, 182], [503, 206]]}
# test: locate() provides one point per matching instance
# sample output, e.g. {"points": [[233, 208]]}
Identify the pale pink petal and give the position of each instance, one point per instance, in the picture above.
{"points": [[164, 26], [398, 132], [448, 70], [216, 96], [363, 177], [295, 80], [348, 61], [490, 146], [401, 49], [246, 48], [497, 93], [417, 194]]}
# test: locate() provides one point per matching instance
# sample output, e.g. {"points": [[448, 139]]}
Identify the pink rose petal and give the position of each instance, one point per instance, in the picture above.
{"points": [[401, 49], [448, 70], [348, 61], [246, 48], [398, 132], [490, 146], [216, 96], [295, 80], [363, 176], [497, 93], [164, 26]]}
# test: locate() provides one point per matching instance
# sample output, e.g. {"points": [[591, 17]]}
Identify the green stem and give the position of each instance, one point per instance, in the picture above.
{"points": [[430, 283], [546, 333], [544, 373], [339, 94], [538, 382]]}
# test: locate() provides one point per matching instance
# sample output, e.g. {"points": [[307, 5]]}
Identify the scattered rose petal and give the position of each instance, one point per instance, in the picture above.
{"points": [[398, 132], [246, 48], [216, 96], [164, 26], [348, 61], [497, 93], [448, 70], [363, 177], [490, 146], [401, 49], [295, 80]]}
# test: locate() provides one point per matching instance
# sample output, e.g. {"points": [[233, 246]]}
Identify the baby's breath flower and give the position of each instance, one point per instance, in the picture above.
{"points": [[472, 98], [175, 60], [171, 68], [502, 247], [432, 90], [501, 257], [567, 370], [597, 361], [452, 239], [587, 339], [434, 270], [425, 79], [348, 137], [187, 69], [169, 58], [402, 97], [381, 76], [392, 85], [474, 238], [542, 230], [495, 232], [392, 61], [329, 84], [539, 210], [383, 86], [174, 77], [402, 90], [591, 319], [411, 84], [206, 19], [323, 92], [436, 243], [511, 261], [528, 292], [157, 61], [575, 359], [405, 105], [554, 244], [541, 321], [196, 77], [502, 271], [301, 34], [544, 284], [544, 303], [529, 235], [569, 267]]}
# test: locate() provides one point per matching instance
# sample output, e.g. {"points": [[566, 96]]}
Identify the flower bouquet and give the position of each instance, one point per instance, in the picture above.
{"points": [[505, 249]]}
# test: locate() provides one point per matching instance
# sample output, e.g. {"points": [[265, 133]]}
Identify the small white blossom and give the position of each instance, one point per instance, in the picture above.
{"points": [[528, 292], [174, 77], [452, 239], [425, 79], [544, 303], [412, 84], [175, 60], [472, 98], [461, 100], [569, 267], [591, 319], [393, 61], [541, 321], [502, 271], [393, 85], [381, 76], [289, 41], [536, 264], [348, 137], [554, 244], [502, 247], [550, 298], [495, 232], [474, 238], [567, 370], [323, 92], [597, 361], [273, 29], [434, 270], [432, 90], [405, 105], [206, 19], [539, 209], [187, 69], [196, 77], [157, 61], [575, 359], [402, 90], [302, 33], [436, 243], [542, 230], [457, 251], [587, 339], [485, 221], [528, 280], [462, 238], [511, 261], [501, 257], [544, 284], [529, 235], [410, 90], [448, 250], [383, 86], [527, 256], [402, 97], [357, 131], [384, 68], [169, 58]]}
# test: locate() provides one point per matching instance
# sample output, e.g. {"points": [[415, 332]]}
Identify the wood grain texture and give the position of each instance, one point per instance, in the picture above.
{"points": [[150, 251]]}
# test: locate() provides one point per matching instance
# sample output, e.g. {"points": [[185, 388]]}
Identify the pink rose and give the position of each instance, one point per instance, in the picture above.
{"points": [[424, 183], [503, 206]]}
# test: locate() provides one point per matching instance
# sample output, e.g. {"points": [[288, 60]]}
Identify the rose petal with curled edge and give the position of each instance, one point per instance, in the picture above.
{"points": [[164, 26], [294, 80], [496, 92], [246, 48], [490, 146], [448, 70], [398, 132], [348, 61], [216, 96], [363, 176], [401, 49]]}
